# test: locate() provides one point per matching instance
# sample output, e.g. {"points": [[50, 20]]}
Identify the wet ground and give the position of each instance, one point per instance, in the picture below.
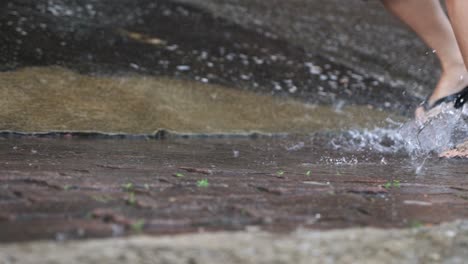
{"points": [[79, 188], [97, 68]]}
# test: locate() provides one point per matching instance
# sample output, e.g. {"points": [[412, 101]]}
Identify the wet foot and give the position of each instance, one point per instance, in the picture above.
{"points": [[461, 151], [450, 82]]}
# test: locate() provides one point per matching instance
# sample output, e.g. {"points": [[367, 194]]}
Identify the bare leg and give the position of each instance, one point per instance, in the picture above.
{"points": [[458, 11], [429, 21]]}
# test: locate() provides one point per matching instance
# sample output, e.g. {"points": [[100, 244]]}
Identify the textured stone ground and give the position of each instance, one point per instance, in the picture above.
{"points": [[76, 188], [441, 244]]}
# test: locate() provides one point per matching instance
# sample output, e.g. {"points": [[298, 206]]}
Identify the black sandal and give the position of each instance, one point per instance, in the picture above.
{"points": [[458, 99]]}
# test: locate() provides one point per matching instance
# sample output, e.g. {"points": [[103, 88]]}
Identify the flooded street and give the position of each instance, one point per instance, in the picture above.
{"points": [[190, 126]]}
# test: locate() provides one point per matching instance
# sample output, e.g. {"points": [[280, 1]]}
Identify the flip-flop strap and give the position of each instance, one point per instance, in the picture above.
{"points": [[461, 99], [446, 99]]}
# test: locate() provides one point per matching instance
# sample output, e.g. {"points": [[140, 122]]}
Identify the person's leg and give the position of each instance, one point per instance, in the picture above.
{"points": [[458, 12], [429, 21]]}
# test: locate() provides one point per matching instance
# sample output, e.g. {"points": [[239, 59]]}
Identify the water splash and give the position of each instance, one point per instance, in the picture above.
{"points": [[383, 140], [445, 128]]}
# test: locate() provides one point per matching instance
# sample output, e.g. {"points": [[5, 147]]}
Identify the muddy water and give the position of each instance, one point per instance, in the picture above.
{"points": [[55, 99]]}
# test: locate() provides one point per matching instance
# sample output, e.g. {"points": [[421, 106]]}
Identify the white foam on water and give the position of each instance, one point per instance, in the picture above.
{"points": [[445, 128], [383, 140]]}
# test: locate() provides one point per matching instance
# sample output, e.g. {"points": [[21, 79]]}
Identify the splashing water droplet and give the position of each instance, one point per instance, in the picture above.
{"points": [[445, 127]]}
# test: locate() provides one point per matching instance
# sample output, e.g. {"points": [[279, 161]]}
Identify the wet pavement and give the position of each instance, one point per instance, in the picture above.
{"points": [[110, 71], [70, 188]]}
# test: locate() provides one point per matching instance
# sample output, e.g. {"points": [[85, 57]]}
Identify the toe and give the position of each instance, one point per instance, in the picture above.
{"points": [[420, 115]]}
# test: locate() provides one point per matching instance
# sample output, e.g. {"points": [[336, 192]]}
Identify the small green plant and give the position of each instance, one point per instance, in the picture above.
{"points": [[138, 226], [131, 200], [392, 184], [308, 173], [203, 183], [147, 187], [127, 186], [67, 187], [102, 198], [89, 215], [280, 173], [416, 224], [179, 175]]}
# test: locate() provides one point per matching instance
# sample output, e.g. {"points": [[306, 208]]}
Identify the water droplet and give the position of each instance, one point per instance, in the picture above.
{"points": [[183, 68]]}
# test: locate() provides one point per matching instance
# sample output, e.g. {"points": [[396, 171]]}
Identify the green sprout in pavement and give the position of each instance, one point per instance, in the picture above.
{"points": [[416, 224], [131, 200], [392, 184], [179, 175], [203, 183], [280, 173], [127, 186], [137, 226], [102, 198], [308, 173]]}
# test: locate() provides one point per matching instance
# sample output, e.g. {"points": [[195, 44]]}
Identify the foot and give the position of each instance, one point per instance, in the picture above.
{"points": [[461, 151], [450, 82]]}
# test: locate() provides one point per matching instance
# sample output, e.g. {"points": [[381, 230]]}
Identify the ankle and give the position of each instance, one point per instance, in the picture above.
{"points": [[454, 68], [450, 82], [455, 76]]}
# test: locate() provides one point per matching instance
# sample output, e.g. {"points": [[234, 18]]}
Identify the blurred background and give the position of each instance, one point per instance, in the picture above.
{"points": [[137, 66]]}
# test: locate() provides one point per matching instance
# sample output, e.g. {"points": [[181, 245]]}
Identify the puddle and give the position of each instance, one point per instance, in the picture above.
{"points": [[55, 99]]}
